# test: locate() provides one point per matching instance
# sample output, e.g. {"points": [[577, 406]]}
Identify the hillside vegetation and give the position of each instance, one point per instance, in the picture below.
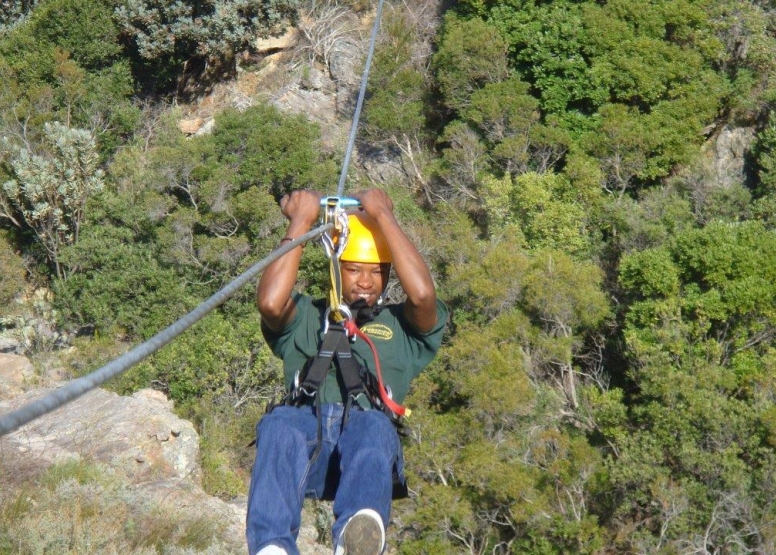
{"points": [[608, 381]]}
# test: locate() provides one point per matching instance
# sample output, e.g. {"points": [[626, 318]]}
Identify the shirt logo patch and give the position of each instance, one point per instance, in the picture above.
{"points": [[378, 331]]}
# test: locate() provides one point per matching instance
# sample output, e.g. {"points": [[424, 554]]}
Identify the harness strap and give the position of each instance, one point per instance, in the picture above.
{"points": [[335, 347], [317, 367]]}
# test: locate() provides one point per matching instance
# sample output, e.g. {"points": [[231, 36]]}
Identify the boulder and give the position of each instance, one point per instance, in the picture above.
{"points": [[137, 435], [730, 150], [15, 372], [190, 126]]}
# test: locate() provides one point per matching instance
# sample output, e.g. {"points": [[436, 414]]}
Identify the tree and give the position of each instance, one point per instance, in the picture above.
{"points": [[630, 84], [699, 328], [171, 35], [549, 212], [765, 153], [212, 199], [221, 359], [49, 189], [395, 112], [63, 63], [13, 274], [471, 54]]}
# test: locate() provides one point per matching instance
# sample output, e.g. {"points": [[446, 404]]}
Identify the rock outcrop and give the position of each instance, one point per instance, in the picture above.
{"points": [[138, 437]]}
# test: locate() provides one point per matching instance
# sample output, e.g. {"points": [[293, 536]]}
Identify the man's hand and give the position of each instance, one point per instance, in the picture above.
{"points": [[302, 209], [273, 292], [375, 202]]}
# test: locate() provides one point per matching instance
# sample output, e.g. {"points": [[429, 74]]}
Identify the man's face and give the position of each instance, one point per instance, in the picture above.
{"points": [[361, 280]]}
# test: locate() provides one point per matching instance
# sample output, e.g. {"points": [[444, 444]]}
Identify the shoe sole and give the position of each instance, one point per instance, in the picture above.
{"points": [[362, 536]]}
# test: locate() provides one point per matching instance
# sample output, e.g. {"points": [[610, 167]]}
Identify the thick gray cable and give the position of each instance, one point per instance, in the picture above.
{"points": [[74, 389], [360, 102]]}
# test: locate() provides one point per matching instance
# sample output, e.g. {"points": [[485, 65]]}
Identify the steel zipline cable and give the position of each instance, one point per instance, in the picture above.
{"points": [[360, 102], [17, 418], [80, 386]]}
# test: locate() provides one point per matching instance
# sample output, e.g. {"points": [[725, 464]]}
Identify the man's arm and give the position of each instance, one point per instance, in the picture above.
{"points": [[273, 292], [411, 269]]}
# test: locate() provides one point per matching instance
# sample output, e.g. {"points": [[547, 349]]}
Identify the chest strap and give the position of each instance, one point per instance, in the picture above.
{"points": [[334, 348]]}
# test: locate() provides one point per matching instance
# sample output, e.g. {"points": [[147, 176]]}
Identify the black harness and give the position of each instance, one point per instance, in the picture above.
{"points": [[357, 380]]}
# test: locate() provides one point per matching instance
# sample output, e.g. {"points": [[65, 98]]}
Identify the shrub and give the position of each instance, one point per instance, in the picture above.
{"points": [[12, 276]]}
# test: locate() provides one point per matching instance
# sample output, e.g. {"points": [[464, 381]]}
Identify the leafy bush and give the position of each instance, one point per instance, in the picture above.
{"points": [[50, 189], [13, 275], [118, 286], [169, 35], [63, 63], [220, 358]]}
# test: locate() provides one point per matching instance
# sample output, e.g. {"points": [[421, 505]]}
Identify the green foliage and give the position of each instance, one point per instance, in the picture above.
{"points": [[549, 214], [765, 152], [488, 444], [63, 63], [218, 192], [547, 42], [398, 105], [652, 273], [630, 84], [219, 358], [167, 36], [499, 130], [82, 28], [226, 432], [211, 28], [117, 286], [13, 274], [471, 54], [564, 293], [273, 150], [659, 214], [49, 190], [490, 459], [698, 332], [399, 91]]}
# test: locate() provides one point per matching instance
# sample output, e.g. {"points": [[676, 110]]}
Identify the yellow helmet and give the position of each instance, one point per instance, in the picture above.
{"points": [[366, 243]]}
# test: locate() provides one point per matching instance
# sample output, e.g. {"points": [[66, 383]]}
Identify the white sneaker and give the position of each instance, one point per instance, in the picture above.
{"points": [[272, 550], [364, 534]]}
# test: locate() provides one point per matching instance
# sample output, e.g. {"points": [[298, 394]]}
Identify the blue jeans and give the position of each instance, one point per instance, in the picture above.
{"points": [[355, 467]]}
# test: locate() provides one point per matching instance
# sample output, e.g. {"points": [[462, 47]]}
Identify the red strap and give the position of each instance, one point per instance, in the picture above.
{"points": [[396, 408]]}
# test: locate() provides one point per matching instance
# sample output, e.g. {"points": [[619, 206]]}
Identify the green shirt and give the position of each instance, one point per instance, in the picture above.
{"points": [[403, 351]]}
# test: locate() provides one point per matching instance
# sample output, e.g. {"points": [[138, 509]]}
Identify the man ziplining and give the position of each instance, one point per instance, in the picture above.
{"points": [[347, 368]]}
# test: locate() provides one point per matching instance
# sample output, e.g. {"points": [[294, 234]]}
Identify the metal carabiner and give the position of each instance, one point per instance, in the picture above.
{"points": [[335, 212], [342, 309]]}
